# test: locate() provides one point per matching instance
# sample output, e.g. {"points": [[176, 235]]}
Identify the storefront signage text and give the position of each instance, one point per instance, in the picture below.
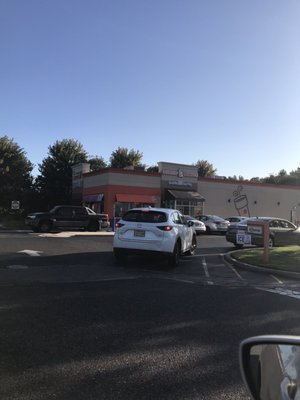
{"points": [[180, 173], [180, 183]]}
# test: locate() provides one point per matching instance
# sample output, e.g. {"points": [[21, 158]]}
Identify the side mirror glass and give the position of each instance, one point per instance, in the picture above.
{"points": [[270, 367], [190, 223]]}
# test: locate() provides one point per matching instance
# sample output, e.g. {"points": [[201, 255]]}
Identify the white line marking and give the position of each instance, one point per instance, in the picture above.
{"points": [[282, 292], [276, 279], [209, 281], [234, 270], [32, 253], [17, 267], [175, 279]]}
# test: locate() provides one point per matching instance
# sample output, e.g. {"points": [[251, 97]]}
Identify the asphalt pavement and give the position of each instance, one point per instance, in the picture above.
{"points": [[76, 326], [131, 339]]}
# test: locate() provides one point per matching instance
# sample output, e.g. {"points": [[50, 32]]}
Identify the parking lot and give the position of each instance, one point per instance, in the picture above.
{"points": [[86, 257], [75, 325]]}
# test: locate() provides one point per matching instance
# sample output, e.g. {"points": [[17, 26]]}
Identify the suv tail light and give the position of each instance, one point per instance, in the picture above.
{"points": [[165, 228]]}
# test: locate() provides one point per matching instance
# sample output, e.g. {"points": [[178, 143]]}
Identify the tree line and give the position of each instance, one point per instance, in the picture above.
{"points": [[53, 184]]}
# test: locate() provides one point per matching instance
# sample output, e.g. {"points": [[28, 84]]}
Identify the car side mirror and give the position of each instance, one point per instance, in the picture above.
{"points": [[270, 367], [190, 223]]}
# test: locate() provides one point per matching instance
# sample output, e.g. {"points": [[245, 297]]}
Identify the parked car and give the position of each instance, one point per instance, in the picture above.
{"points": [[154, 230], [199, 226], [214, 223], [282, 232], [104, 221], [236, 219], [64, 217]]}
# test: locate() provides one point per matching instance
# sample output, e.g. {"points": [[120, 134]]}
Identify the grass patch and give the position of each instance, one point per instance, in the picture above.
{"points": [[281, 258]]}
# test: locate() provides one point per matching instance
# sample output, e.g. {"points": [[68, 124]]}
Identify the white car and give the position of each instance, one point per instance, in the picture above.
{"points": [[154, 230], [214, 223], [199, 226]]}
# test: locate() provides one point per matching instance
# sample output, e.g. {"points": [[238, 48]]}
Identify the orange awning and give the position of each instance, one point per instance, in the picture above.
{"points": [[136, 198]]}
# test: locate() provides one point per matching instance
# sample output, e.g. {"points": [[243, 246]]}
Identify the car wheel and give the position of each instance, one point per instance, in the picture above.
{"points": [[93, 226], [271, 242], [208, 230], [173, 260], [45, 226], [192, 250]]}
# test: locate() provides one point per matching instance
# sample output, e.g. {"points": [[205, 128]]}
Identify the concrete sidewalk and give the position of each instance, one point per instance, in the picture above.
{"points": [[58, 233]]}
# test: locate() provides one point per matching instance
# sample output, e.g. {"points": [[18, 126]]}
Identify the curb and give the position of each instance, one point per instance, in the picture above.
{"points": [[97, 233], [15, 230], [265, 270]]}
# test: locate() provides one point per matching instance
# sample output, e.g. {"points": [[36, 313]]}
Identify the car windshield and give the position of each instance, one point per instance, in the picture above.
{"points": [[145, 216]]}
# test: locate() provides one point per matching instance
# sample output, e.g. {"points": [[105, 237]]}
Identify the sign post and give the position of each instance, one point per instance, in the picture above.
{"points": [[261, 228]]}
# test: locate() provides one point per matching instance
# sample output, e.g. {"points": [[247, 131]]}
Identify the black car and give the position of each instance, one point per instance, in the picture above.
{"points": [[282, 232], [64, 217]]}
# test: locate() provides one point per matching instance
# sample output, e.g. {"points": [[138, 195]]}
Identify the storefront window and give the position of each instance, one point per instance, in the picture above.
{"points": [[186, 207], [122, 208]]}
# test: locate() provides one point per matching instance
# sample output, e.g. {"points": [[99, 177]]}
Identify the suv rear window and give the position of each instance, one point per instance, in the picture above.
{"points": [[145, 216]]}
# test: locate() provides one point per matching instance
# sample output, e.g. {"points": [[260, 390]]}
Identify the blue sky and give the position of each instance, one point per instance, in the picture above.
{"points": [[178, 80]]}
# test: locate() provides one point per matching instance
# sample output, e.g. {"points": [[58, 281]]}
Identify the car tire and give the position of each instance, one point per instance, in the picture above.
{"points": [[208, 230], [173, 260], [93, 226], [192, 250], [271, 242], [45, 226]]}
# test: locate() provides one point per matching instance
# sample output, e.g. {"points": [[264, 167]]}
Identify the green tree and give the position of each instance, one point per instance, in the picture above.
{"points": [[283, 178], [122, 157], [236, 178], [205, 168], [255, 179], [273, 179], [152, 168], [55, 179], [97, 163], [15, 173]]}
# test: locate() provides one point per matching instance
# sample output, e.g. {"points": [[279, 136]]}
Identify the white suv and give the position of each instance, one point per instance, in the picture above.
{"points": [[154, 230]]}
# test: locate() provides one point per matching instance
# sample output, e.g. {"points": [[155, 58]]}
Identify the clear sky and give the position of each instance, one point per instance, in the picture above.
{"points": [[178, 80]]}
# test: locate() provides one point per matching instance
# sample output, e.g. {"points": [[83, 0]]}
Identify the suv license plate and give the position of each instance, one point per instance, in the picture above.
{"points": [[139, 233]]}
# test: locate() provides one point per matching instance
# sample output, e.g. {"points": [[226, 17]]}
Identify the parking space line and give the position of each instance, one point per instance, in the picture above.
{"points": [[284, 292], [233, 270], [204, 265], [276, 279], [176, 279]]}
